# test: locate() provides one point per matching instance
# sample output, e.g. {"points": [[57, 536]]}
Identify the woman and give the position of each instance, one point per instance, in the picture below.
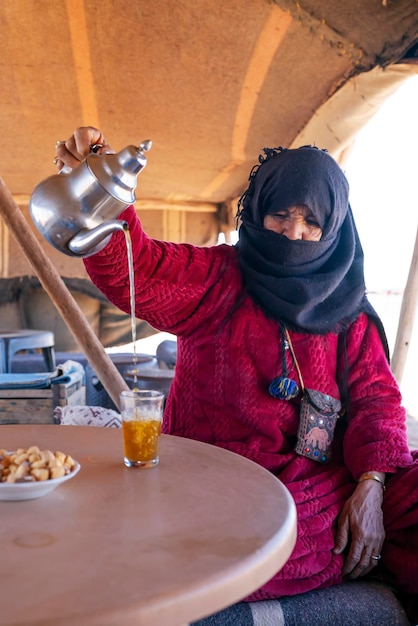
{"points": [[258, 326]]}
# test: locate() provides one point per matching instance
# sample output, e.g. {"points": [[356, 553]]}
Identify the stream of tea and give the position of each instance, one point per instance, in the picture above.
{"points": [[132, 299], [142, 427]]}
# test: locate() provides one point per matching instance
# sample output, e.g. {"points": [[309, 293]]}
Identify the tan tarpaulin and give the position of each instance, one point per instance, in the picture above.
{"points": [[210, 82]]}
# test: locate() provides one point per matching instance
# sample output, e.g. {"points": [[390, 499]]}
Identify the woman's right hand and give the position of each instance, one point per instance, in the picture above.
{"points": [[361, 530], [75, 149]]}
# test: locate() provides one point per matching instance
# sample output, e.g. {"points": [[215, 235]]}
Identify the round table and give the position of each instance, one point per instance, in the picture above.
{"points": [[162, 546]]}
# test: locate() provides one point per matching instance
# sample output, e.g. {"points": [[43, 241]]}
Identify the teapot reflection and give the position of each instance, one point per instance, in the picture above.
{"points": [[76, 212]]}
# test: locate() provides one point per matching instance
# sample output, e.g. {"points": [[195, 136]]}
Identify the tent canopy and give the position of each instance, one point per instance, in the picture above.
{"points": [[210, 82]]}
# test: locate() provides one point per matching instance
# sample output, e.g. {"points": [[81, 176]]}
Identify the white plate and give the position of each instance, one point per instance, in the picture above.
{"points": [[36, 489]]}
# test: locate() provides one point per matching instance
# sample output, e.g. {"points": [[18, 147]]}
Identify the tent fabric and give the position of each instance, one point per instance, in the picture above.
{"points": [[210, 87]]}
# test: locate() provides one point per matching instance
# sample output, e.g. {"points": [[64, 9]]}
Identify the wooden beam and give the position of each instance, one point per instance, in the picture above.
{"points": [[163, 205], [271, 37], [82, 62], [149, 204], [406, 318], [64, 302]]}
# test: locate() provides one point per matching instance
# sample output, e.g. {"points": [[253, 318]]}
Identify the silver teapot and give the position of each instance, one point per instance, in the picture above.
{"points": [[75, 212]]}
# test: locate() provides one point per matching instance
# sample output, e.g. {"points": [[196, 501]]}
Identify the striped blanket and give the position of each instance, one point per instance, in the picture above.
{"points": [[350, 604]]}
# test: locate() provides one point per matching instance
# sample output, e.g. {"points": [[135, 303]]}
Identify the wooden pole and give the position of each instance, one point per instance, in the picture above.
{"points": [[66, 305], [406, 318]]}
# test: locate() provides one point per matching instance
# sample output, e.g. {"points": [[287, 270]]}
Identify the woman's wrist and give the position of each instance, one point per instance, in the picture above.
{"points": [[378, 477]]}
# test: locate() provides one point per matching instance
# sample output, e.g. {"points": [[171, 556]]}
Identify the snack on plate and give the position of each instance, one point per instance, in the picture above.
{"points": [[33, 464]]}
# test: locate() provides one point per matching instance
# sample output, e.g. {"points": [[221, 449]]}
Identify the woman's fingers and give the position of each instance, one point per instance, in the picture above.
{"points": [[64, 157], [87, 136], [70, 152], [360, 561], [342, 534], [360, 527]]}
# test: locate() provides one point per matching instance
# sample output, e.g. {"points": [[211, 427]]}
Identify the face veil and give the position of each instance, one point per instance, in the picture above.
{"points": [[311, 286]]}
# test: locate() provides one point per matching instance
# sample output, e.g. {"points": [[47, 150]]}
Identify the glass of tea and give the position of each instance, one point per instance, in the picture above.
{"points": [[142, 413]]}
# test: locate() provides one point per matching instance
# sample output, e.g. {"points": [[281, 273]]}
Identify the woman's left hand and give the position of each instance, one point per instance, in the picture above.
{"points": [[360, 527]]}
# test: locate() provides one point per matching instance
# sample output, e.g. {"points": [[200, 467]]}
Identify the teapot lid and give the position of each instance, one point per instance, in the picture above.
{"points": [[117, 173]]}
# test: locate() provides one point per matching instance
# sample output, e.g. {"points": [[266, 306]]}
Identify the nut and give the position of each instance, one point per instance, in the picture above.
{"points": [[34, 464]]}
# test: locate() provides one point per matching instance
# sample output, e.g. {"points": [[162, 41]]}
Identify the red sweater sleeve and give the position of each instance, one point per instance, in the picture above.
{"points": [[376, 437], [168, 294]]}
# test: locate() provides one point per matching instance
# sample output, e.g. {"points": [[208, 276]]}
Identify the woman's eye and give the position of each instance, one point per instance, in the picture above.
{"points": [[312, 223]]}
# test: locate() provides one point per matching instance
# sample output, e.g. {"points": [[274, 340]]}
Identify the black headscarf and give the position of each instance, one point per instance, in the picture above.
{"points": [[311, 286]]}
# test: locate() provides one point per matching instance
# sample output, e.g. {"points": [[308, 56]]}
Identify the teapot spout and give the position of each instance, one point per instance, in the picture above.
{"points": [[91, 240]]}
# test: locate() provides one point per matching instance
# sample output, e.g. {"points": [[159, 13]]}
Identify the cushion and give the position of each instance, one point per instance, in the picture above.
{"points": [[87, 416]]}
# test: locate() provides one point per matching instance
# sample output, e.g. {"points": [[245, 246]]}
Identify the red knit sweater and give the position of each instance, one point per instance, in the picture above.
{"points": [[228, 353]]}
